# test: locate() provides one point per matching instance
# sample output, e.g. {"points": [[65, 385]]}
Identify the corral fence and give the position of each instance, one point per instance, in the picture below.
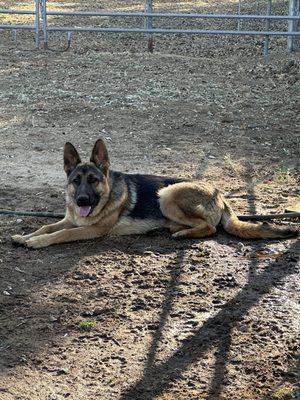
{"points": [[42, 28]]}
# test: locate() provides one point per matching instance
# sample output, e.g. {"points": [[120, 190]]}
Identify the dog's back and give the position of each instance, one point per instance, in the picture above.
{"points": [[143, 194]]}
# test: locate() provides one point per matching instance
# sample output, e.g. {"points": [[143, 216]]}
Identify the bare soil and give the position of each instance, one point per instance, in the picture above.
{"points": [[147, 317]]}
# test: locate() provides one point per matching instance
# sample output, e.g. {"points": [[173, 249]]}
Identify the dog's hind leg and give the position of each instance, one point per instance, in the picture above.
{"points": [[174, 227], [178, 217], [181, 204], [46, 229], [187, 226], [200, 231]]}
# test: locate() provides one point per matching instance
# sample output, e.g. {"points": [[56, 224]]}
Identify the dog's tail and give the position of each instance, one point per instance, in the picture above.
{"points": [[248, 230]]}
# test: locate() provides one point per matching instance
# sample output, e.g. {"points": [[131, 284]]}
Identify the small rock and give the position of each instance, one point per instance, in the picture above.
{"points": [[61, 371], [240, 247], [148, 253], [226, 118], [20, 270], [19, 221], [6, 293], [188, 123], [39, 147], [253, 126]]}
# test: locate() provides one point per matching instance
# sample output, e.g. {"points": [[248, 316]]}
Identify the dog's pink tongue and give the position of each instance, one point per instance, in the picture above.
{"points": [[84, 211]]}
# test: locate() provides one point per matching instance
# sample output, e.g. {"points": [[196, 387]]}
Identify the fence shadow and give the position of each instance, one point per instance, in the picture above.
{"points": [[46, 268], [224, 343], [216, 331]]}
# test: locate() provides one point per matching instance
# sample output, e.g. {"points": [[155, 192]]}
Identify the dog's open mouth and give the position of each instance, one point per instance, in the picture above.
{"points": [[84, 211]]}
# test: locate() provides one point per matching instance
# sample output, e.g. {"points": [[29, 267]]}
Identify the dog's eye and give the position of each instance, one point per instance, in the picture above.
{"points": [[76, 180], [92, 179]]}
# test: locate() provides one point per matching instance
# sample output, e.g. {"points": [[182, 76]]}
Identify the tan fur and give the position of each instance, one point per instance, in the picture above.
{"points": [[46, 229], [247, 230], [189, 209], [196, 208], [200, 208], [73, 227], [74, 234], [199, 231]]}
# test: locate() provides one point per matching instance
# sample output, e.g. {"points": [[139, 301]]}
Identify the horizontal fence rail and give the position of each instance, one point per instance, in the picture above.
{"points": [[5, 11], [41, 25], [170, 15], [12, 26], [35, 27], [171, 30]]}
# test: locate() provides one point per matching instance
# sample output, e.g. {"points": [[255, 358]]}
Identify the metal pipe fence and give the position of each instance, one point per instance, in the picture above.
{"points": [[42, 27], [35, 27], [294, 10]]}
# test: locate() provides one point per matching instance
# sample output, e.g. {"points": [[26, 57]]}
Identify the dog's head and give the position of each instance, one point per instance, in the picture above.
{"points": [[87, 182]]}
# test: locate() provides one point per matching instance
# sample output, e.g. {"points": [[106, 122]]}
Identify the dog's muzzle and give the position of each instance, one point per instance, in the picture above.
{"points": [[84, 205]]}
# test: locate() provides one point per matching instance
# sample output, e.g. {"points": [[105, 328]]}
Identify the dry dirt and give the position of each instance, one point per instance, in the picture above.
{"points": [[147, 317]]}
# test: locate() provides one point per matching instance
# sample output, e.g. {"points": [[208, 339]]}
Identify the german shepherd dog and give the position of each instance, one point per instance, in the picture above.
{"points": [[101, 202]]}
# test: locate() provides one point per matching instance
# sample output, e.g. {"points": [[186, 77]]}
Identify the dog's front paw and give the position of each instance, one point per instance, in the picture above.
{"points": [[18, 239], [37, 242]]}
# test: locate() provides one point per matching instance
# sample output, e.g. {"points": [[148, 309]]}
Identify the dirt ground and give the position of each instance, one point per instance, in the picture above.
{"points": [[148, 317]]}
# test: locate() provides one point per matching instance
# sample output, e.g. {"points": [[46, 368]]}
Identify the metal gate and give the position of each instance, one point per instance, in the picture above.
{"points": [[35, 27], [42, 28]]}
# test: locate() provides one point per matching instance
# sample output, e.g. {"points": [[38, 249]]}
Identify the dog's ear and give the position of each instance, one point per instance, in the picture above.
{"points": [[100, 156], [71, 158]]}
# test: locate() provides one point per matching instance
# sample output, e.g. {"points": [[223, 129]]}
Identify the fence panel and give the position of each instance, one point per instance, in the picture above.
{"points": [[41, 14], [35, 27]]}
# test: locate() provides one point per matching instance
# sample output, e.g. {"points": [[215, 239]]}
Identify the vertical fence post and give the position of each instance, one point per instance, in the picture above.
{"points": [[69, 36], [267, 38], [37, 24], [294, 10], [14, 35], [43, 5], [148, 24], [239, 13]]}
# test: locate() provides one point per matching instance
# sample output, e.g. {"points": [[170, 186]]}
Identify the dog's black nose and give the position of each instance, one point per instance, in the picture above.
{"points": [[83, 200]]}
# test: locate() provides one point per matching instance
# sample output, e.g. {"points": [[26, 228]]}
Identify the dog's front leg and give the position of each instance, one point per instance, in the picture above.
{"points": [[70, 235], [63, 224]]}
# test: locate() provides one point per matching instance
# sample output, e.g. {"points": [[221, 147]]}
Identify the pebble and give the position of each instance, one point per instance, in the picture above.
{"points": [[61, 371], [227, 118], [148, 253], [39, 147], [19, 270], [19, 221], [240, 247], [253, 126]]}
